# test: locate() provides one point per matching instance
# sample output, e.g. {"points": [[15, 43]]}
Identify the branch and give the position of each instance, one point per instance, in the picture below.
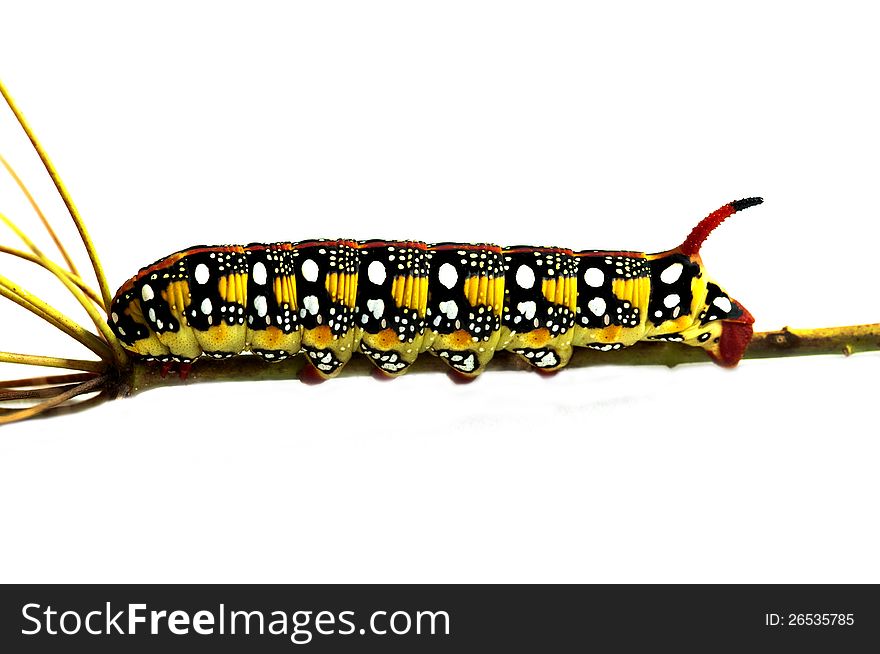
{"points": [[765, 345], [142, 376]]}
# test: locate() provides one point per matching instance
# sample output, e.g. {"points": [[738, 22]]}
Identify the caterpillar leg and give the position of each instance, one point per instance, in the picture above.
{"points": [[180, 367]]}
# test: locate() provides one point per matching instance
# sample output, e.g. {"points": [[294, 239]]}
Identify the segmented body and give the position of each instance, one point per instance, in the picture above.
{"points": [[392, 300]]}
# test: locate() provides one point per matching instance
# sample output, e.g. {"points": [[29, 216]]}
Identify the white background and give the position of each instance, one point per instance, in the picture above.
{"points": [[588, 125]]}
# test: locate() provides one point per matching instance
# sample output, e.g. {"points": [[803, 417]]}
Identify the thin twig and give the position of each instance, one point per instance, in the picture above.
{"points": [[106, 393], [17, 395], [52, 362], [99, 321], [54, 317], [30, 412], [89, 291], [40, 213], [65, 196], [48, 264], [47, 380]]}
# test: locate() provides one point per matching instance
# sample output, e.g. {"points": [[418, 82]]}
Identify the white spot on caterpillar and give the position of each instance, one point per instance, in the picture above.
{"points": [[147, 293], [258, 274], [594, 277], [723, 303], [114, 317], [527, 309], [202, 274], [152, 314], [311, 304], [525, 276], [468, 364], [376, 273], [450, 308], [548, 361], [448, 275], [260, 305], [605, 347], [671, 274], [671, 300], [310, 270], [206, 307], [597, 306], [376, 307]]}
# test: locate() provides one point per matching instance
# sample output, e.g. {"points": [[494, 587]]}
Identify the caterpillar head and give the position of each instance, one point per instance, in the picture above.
{"points": [[717, 322], [722, 327]]}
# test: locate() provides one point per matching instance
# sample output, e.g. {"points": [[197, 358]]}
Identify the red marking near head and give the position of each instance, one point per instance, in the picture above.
{"points": [[735, 338], [699, 234]]}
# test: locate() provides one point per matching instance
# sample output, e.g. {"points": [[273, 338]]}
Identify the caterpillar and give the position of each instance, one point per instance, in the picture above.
{"points": [[393, 300]]}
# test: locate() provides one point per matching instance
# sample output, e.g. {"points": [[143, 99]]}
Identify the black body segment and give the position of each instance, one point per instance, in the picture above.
{"points": [[392, 297], [272, 313], [540, 297], [465, 299], [601, 277], [672, 294], [613, 293], [326, 279]]}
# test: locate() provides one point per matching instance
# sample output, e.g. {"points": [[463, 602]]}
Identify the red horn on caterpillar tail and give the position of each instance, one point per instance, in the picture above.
{"points": [[736, 331]]}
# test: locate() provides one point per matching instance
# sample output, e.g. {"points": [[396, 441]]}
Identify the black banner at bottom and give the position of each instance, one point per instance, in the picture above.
{"points": [[436, 618]]}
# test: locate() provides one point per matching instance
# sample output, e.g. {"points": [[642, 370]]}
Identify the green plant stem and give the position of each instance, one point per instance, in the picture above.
{"points": [[786, 342], [140, 376]]}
